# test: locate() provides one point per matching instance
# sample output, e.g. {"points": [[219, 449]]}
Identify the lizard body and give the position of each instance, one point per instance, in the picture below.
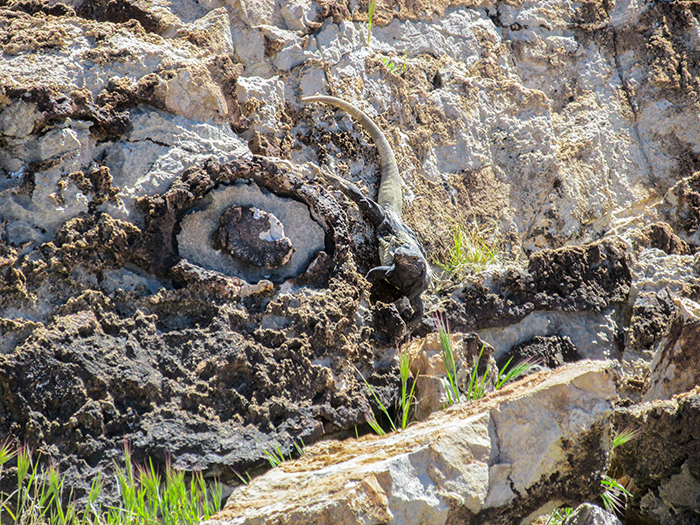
{"points": [[403, 259]]}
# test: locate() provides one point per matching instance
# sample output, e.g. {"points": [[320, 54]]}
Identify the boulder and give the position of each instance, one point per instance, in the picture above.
{"points": [[507, 458], [588, 514]]}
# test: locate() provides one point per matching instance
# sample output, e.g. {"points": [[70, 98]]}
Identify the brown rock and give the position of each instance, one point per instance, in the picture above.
{"points": [[254, 236], [663, 461], [676, 365]]}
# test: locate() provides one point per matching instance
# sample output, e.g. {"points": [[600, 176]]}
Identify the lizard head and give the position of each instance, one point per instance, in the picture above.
{"points": [[412, 269]]}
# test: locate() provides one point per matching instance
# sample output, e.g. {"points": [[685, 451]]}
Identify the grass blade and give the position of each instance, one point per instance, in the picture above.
{"points": [[381, 405], [451, 388]]}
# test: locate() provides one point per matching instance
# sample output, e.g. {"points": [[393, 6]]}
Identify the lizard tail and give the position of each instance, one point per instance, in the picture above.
{"points": [[390, 193]]}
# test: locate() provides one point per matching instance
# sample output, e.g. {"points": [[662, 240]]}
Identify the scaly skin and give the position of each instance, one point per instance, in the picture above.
{"points": [[403, 259]]}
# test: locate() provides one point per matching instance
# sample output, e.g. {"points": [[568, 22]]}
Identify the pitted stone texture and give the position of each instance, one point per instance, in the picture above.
{"points": [[498, 460], [681, 207], [550, 351], [589, 278], [253, 236], [198, 227], [663, 461]]}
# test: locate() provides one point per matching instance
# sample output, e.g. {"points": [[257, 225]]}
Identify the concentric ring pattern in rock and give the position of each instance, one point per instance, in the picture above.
{"points": [[198, 227]]}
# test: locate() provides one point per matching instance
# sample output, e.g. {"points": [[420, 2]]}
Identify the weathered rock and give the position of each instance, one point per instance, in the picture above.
{"points": [[650, 321], [279, 244], [588, 514], [254, 236], [663, 461], [552, 351], [676, 365], [662, 237], [681, 207], [571, 292], [124, 122], [308, 218], [649, 324], [537, 443], [587, 278]]}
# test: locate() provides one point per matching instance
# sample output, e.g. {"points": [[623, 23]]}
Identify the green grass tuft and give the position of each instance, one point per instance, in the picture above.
{"points": [[522, 368], [145, 495], [624, 436], [276, 457], [407, 396], [477, 388], [451, 387], [557, 517], [370, 16], [615, 496], [470, 250], [369, 415]]}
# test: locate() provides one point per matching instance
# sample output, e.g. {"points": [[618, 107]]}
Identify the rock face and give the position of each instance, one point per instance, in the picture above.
{"points": [[531, 446], [565, 132], [676, 366]]}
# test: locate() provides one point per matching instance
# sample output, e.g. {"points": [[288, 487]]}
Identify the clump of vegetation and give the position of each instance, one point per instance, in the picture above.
{"points": [[472, 249], [393, 67], [407, 396], [615, 496], [476, 389], [505, 375], [557, 516], [451, 388], [146, 496]]}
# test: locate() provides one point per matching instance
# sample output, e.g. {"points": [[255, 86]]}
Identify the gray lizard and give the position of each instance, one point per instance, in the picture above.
{"points": [[403, 259]]}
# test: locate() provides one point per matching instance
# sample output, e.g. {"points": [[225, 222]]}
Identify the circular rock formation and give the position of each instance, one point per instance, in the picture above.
{"points": [[207, 221], [253, 236]]}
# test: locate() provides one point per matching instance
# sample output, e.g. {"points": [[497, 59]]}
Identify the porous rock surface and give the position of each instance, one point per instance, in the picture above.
{"points": [[661, 465], [254, 236], [466, 464], [567, 132]]}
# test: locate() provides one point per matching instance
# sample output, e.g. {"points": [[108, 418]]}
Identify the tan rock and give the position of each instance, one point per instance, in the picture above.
{"points": [[503, 458]]}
